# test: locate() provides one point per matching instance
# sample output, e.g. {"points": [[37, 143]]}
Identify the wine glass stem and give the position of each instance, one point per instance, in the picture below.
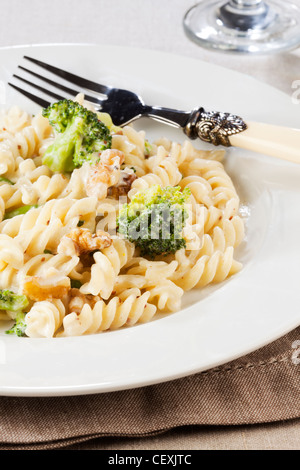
{"points": [[245, 3], [245, 14]]}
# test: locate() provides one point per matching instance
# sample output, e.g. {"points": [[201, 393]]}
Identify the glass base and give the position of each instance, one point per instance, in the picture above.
{"points": [[275, 28]]}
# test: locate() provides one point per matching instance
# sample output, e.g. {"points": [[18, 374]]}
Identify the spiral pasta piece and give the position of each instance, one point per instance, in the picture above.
{"points": [[132, 144], [165, 294], [15, 271], [23, 144], [45, 188], [11, 252], [107, 211], [222, 188], [186, 152], [42, 228], [128, 308], [151, 270], [209, 266], [106, 268], [14, 119], [44, 319], [164, 172]]}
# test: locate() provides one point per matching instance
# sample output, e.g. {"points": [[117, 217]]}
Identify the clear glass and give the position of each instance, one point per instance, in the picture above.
{"points": [[244, 26]]}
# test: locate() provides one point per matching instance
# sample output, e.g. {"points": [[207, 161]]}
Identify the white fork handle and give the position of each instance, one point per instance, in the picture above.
{"points": [[275, 141]]}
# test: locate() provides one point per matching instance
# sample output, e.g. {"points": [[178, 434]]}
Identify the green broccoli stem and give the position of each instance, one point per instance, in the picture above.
{"points": [[5, 180], [59, 157], [21, 210]]}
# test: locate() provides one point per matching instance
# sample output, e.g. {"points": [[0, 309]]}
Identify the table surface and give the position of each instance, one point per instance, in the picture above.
{"points": [[157, 25]]}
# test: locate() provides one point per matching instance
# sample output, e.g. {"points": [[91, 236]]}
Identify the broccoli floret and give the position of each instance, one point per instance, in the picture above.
{"points": [[154, 220], [15, 303], [80, 136], [19, 327], [11, 301]]}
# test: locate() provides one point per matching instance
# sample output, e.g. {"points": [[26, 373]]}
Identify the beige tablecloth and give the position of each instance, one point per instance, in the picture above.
{"points": [[261, 387], [218, 409]]}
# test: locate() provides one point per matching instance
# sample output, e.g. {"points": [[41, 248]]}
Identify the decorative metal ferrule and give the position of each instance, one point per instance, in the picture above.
{"points": [[214, 127]]}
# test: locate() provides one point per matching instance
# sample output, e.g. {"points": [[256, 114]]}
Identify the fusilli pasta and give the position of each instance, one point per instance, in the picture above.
{"points": [[47, 251]]}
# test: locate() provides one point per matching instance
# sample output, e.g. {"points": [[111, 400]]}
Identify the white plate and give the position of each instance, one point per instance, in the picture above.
{"points": [[217, 324]]}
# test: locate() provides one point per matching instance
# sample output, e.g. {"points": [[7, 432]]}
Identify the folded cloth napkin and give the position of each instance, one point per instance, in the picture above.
{"points": [[258, 388]]}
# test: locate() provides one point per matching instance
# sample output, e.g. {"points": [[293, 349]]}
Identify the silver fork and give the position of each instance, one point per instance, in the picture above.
{"points": [[124, 107]]}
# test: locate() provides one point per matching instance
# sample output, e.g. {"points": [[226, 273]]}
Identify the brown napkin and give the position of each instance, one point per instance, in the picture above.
{"points": [[261, 387]]}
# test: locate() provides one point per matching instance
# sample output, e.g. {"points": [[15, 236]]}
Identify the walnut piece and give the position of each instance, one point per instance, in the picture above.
{"points": [[38, 289], [104, 174], [123, 186], [78, 300], [81, 240]]}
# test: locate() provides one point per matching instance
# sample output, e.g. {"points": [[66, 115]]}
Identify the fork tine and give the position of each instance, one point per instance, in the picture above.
{"points": [[38, 87], [36, 99], [80, 81], [72, 92]]}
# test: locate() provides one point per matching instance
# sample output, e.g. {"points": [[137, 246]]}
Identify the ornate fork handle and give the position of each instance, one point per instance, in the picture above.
{"points": [[214, 127], [227, 129], [230, 130]]}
